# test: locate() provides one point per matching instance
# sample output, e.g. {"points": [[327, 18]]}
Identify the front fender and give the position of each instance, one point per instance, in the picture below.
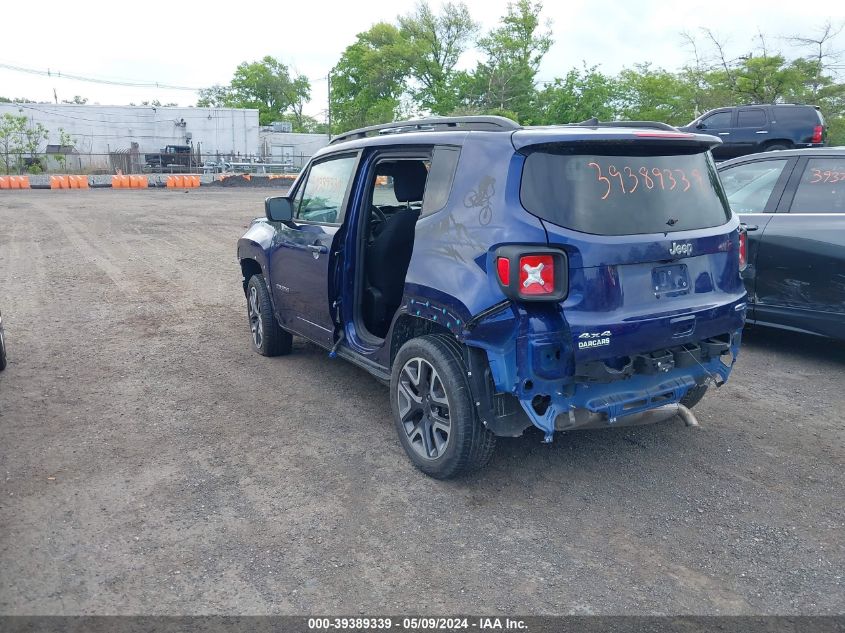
{"points": [[255, 243], [253, 246]]}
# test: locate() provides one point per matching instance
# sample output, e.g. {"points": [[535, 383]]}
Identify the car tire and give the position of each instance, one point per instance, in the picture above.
{"points": [[268, 339], [776, 146], [433, 411], [2, 352], [693, 396]]}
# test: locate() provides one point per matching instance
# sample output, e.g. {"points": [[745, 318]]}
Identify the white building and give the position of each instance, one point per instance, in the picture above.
{"points": [[289, 148], [98, 129]]}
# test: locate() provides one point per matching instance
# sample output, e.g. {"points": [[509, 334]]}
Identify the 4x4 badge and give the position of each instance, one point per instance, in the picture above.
{"points": [[587, 340], [680, 249]]}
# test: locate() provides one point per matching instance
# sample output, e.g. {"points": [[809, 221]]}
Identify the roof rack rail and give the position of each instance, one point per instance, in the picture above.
{"points": [[655, 125], [492, 123]]}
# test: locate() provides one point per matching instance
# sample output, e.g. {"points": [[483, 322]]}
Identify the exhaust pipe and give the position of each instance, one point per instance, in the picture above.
{"points": [[687, 416], [583, 419]]}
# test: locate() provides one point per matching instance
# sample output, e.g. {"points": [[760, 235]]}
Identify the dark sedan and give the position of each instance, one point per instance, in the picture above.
{"points": [[792, 203]]}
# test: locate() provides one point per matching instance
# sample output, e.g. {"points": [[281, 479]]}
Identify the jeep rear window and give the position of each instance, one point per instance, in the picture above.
{"points": [[623, 195]]}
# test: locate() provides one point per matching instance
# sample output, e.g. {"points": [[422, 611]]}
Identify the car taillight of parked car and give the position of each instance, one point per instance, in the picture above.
{"points": [[743, 249], [532, 274], [817, 134]]}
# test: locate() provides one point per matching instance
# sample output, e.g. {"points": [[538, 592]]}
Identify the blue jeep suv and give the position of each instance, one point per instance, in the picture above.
{"points": [[498, 276]]}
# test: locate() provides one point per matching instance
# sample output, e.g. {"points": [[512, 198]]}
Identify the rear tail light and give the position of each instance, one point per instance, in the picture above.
{"points": [[743, 249], [503, 269], [536, 275], [817, 134], [528, 273]]}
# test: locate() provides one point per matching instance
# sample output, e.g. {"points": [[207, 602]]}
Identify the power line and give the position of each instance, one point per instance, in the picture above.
{"points": [[110, 82], [113, 82]]}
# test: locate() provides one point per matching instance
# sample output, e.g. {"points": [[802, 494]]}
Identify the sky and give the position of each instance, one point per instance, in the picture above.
{"points": [[198, 44]]}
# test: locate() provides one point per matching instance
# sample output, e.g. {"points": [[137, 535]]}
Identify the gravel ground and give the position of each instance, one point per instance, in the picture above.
{"points": [[152, 463]]}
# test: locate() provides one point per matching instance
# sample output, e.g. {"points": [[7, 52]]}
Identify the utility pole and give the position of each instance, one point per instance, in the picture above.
{"points": [[329, 82]]}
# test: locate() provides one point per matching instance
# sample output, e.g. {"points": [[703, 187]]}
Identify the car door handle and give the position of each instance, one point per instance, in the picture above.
{"points": [[318, 248], [762, 132], [724, 133], [749, 227]]}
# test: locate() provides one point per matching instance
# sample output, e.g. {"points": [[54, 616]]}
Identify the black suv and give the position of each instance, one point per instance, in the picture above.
{"points": [[761, 128]]}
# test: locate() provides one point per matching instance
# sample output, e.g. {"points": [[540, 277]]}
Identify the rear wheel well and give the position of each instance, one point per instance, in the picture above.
{"points": [[249, 267], [778, 142], [408, 326]]}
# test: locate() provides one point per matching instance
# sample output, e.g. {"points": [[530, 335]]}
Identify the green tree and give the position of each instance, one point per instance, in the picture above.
{"points": [[33, 135], [18, 136], [216, 96], [435, 43], [368, 82], [77, 100], [505, 80], [65, 140], [654, 94], [266, 85], [768, 78], [578, 96], [11, 129]]}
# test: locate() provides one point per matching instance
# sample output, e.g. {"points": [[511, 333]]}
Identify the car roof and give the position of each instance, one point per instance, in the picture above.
{"points": [[765, 105], [455, 131], [784, 153]]}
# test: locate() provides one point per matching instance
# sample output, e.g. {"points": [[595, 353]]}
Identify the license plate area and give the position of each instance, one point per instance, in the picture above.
{"points": [[670, 281]]}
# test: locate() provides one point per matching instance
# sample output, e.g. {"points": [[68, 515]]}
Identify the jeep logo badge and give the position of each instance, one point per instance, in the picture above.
{"points": [[680, 249]]}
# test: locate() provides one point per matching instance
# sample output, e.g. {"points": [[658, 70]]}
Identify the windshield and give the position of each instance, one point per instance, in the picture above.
{"points": [[624, 195]]}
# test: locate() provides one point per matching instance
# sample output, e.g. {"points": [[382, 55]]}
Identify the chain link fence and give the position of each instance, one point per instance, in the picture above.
{"points": [[134, 162]]}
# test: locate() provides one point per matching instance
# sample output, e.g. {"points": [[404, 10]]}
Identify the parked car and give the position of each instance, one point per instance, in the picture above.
{"points": [[497, 277], [170, 159], [2, 345], [761, 128], [793, 206]]}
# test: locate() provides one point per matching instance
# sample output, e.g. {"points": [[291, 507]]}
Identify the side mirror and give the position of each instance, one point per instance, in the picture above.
{"points": [[278, 209], [700, 126]]}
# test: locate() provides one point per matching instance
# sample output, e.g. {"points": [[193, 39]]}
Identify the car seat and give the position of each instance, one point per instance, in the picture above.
{"points": [[389, 255]]}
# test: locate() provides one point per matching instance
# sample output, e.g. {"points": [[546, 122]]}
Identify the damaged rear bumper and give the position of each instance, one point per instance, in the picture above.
{"points": [[530, 360]]}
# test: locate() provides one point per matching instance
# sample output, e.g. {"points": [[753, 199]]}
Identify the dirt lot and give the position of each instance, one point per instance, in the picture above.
{"points": [[152, 463]]}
